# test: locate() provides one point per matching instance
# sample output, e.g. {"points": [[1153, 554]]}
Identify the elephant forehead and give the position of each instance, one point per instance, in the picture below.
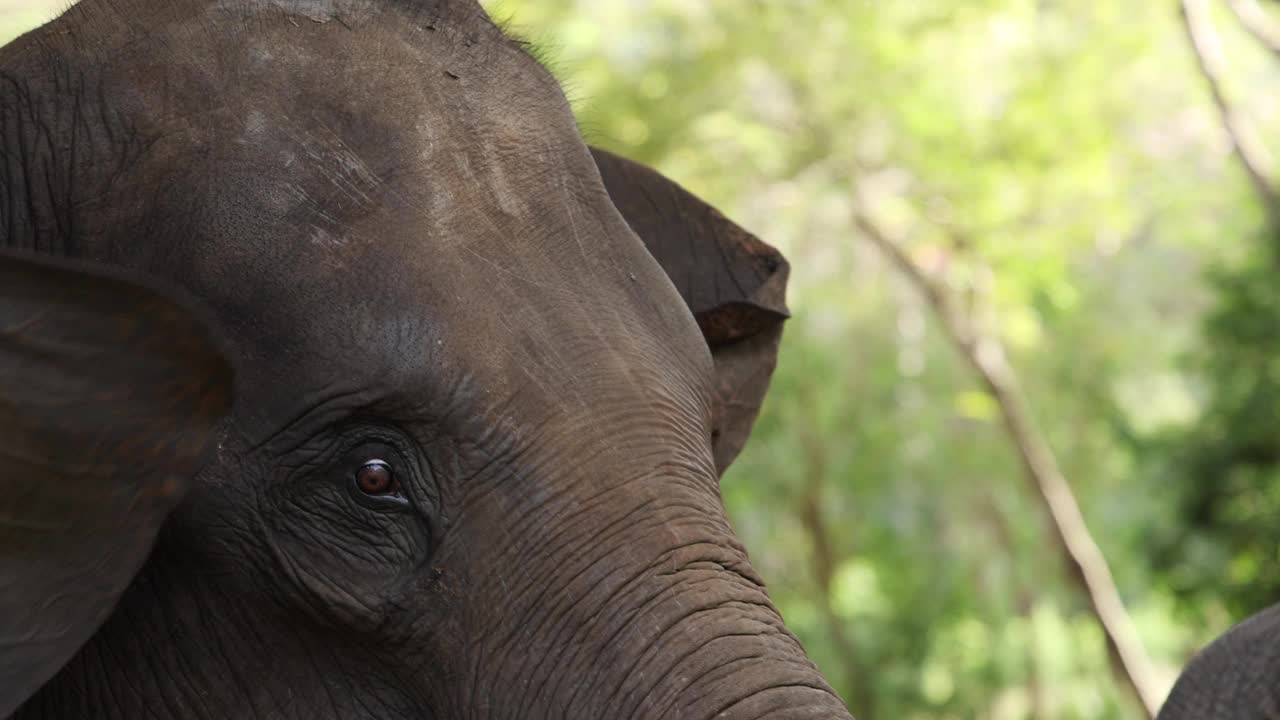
{"points": [[508, 267], [395, 207], [407, 309]]}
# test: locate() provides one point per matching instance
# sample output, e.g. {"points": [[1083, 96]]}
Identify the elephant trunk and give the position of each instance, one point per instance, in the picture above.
{"points": [[611, 585], [712, 646], [648, 608]]}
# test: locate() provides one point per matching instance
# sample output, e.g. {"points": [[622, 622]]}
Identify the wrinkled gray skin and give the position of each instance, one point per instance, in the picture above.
{"points": [[383, 213], [1237, 677]]}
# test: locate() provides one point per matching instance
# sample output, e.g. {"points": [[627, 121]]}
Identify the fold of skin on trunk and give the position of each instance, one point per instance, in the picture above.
{"points": [[626, 595]]}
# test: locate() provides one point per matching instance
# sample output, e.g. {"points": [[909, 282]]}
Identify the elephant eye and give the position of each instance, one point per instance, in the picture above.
{"points": [[375, 478]]}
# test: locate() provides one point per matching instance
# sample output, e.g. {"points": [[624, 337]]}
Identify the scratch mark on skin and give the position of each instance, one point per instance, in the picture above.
{"points": [[351, 162], [573, 221], [256, 123], [509, 271], [521, 362], [300, 194], [557, 288], [352, 177], [571, 212], [492, 225], [320, 236]]}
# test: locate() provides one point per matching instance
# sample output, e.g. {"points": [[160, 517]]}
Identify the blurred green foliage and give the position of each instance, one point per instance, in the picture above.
{"points": [[1059, 162], [1229, 464], [18, 16]]}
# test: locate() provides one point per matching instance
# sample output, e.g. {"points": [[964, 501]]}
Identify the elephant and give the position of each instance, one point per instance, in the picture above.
{"points": [[341, 378], [1235, 677]]}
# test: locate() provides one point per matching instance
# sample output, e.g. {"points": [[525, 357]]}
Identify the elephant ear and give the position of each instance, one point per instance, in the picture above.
{"points": [[734, 284], [110, 394]]}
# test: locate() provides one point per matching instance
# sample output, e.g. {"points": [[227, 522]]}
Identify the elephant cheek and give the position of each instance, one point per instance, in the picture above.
{"points": [[349, 570]]}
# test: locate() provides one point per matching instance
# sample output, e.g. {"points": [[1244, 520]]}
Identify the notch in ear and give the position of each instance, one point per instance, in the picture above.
{"points": [[110, 397], [734, 284]]}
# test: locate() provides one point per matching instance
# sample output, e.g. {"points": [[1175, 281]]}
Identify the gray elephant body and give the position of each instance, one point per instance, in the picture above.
{"points": [[485, 379], [1236, 677]]}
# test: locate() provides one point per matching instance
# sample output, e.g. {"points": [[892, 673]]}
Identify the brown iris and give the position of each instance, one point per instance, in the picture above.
{"points": [[375, 478]]}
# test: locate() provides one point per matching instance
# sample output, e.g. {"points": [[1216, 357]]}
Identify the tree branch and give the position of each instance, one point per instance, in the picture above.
{"points": [[1254, 19], [1248, 149], [1090, 572]]}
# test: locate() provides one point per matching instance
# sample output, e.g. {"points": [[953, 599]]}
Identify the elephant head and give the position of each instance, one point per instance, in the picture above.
{"points": [[340, 379]]}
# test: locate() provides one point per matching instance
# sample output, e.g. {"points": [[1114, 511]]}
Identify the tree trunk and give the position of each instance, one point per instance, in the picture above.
{"points": [[1089, 570]]}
